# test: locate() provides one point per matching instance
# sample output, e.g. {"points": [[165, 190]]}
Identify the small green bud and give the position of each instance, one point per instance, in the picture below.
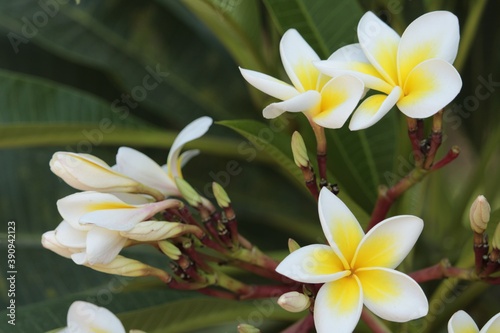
{"points": [[479, 214], [169, 249], [294, 301], [299, 150], [188, 192], [245, 328], [221, 195], [293, 245]]}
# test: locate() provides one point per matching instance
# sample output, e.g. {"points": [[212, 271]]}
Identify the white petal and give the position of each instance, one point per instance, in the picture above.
{"points": [[68, 236], [338, 306], [50, 242], [312, 264], [461, 322], [192, 131], [340, 226], [351, 60], [74, 206], [121, 219], [85, 317], [392, 295], [430, 86], [492, 326], [297, 57], [373, 109], [339, 97], [269, 85], [103, 245], [308, 101], [187, 156], [140, 167], [389, 242], [380, 45], [432, 35]]}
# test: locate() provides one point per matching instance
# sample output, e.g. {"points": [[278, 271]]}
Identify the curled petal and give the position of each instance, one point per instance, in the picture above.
{"points": [[103, 246], [339, 97], [338, 305], [493, 325], [49, 241], [373, 109], [154, 231], [392, 295], [310, 100], [389, 242], [86, 172], [461, 322], [297, 57], [87, 317], [140, 167], [430, 86], [351, 60], [340, 227], [312, 264], [432, 35], [380, 45], [191, 132], [129, 267], [269, 85], [68, 236]]}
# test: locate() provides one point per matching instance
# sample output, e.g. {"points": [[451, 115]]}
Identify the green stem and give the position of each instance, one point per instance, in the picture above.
{"points": [[469, 32]]}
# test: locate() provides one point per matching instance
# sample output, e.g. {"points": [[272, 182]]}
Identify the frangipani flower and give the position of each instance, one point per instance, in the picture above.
{"points": [[358, 269], [413, 71], [88, 173], [84, 317], [140, 167], [461, 322], [325, 101]]}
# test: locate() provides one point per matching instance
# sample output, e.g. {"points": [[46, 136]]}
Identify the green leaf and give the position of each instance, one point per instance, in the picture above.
{"points": [[193, 314], [237, 24], [273, 143], [325, 24]]}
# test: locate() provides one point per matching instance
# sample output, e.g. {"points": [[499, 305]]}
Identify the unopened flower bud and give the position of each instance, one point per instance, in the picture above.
{"points": [[479, 214], [170, 250], [221, 195], [188, 192], [127, 267], [293, 245], [154, 231], [299, 150], [495, 242], [245, 328], [294, 301]]}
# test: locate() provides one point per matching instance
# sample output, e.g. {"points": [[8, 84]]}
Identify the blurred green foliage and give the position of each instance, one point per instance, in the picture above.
{"points": [[92, 77]]}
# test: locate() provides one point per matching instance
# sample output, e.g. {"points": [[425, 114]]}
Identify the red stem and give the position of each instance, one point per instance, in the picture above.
{"points": [[304, 325], [371, 322], [450, 157], [439, 271], [267, 291]]}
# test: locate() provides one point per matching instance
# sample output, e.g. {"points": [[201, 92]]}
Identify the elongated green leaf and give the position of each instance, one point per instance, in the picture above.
{"points": [[190, 315], [236, 24], [325, 24], [275, 144]]}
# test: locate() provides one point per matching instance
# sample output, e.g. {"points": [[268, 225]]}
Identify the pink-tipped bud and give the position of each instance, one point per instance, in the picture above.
{"points": [[479, 214], [294, 301]]}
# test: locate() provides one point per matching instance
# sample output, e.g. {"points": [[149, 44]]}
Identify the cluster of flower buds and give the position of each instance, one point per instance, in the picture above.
{"points": [[487, 262]]}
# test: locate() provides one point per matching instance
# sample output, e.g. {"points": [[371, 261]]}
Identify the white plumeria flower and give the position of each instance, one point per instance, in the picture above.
{"points": [[140, 167], [358, 269], [88, 173], [84, 317], [326, 101], [413, 71], [461, 322], [84, 210]]}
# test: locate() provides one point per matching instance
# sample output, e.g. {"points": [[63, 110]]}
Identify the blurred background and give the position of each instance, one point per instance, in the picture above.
{"points": [[92, 77]]}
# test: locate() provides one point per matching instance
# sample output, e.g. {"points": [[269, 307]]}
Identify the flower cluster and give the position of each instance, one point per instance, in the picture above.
{"points": [[119, 204]]}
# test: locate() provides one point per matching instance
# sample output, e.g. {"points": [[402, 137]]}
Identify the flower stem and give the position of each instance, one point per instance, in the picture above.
{"points": [[415, 130], [302, 326], [319, 132], [441, 270]]}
